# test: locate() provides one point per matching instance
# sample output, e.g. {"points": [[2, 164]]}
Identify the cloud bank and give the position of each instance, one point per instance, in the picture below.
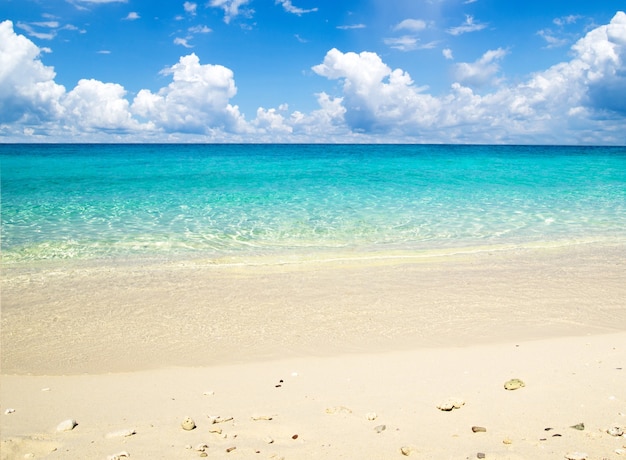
{"points": [[581, 101]]}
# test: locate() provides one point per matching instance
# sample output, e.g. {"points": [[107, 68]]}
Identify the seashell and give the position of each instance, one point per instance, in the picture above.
{"points": [[67, 425], [217, 419], [215, 430], [268, 440], [507, 441], [620, 451], [230, 449], [513, 384], [188, 424], [9, 411], [479, 429], [576, 456], [380, 428], [119, 456], [615, 431], [209, 393], [578, 426], [261, 417], [201, 447], [406, 451], [121, 433], [451, 403], [371, 416]]}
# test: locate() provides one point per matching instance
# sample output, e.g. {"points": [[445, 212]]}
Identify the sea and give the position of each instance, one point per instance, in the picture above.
{"points": [[247, 204]]}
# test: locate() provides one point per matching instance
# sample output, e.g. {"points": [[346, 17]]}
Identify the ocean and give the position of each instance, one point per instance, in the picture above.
{"points": [[288, 203]]}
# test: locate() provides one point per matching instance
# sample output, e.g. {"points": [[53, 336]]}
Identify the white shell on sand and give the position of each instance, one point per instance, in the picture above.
{"points": [[269, 440], [406, 451], [201, 447], [119, 456], [513, 384], [371, 416], [615, 431], [451, 403], [188, 424], [67, 425], [576, 456], [121, 433], [9, 411]]}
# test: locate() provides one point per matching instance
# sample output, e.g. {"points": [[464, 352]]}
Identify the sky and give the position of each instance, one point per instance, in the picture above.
{"points": [[336, 71]]}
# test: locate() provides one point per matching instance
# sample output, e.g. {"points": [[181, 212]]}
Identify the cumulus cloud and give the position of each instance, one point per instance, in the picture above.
{"points": [[28, 92], [468, 26], [182, 42], [447, 53], [232, 8], [582, 100], [482, 71], [196, 101], [132, 16], [290, 8]]}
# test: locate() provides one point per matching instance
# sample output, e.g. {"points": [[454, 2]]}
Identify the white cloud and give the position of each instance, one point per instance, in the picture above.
{"points": [[447, 53], [196, 101], [408, 43], [468, 26], [190, 8], [232, 8], [582, 100], [132, 16], [30, 30], [199, 29], [182, 42], [481, 71], [352, 26], [289, 8], [412, 25], [28, 92]]}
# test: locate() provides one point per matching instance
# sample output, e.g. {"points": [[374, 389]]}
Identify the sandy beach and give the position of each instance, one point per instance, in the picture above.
{"points": [[343, 358]]}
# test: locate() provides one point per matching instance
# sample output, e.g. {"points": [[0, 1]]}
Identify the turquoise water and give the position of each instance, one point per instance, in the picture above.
{"points": [[287, 201]]}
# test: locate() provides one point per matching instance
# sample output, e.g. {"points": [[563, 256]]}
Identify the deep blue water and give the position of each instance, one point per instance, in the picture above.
{"points": [[221, 201]]}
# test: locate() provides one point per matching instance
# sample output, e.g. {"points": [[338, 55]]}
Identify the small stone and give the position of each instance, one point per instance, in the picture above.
{"points": [[479, 429], [578, 426], [188, 424], [406, 451], [507, 441], [121, 433], [615, 431], [480, 455], [380, 428], [295, 436], [576, 456], [203, 454], [513, 384], [371, 416], [261, 417], [451, 403], [67, 425], [230, 449]]}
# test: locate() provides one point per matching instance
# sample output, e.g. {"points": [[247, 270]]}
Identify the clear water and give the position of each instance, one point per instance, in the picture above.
{"points": [[221, 202]]}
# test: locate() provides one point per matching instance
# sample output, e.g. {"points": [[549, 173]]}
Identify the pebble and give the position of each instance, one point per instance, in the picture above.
{"points": [[615, 431], [119, 456], [451, 403], [67, 425], [479, 429], [261, 417], [507, 441], [576, 456], [480, 455], [121, 433], [513, 384], [188, 424], [406, 451], [371, 416], [578, 426], [230, 449], [380, 428]]}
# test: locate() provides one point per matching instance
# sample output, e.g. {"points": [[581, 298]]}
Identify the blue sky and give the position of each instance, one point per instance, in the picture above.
{"points": [[451, 71]]}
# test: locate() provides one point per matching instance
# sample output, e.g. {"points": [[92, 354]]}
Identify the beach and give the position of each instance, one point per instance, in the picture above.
{"points": [[344, 357]]}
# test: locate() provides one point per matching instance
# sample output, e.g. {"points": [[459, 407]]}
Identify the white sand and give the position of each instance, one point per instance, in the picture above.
{"points": [[138, 347]]}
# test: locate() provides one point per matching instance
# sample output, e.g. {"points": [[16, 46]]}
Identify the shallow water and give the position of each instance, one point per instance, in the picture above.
{"points": [[286, 202]]}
